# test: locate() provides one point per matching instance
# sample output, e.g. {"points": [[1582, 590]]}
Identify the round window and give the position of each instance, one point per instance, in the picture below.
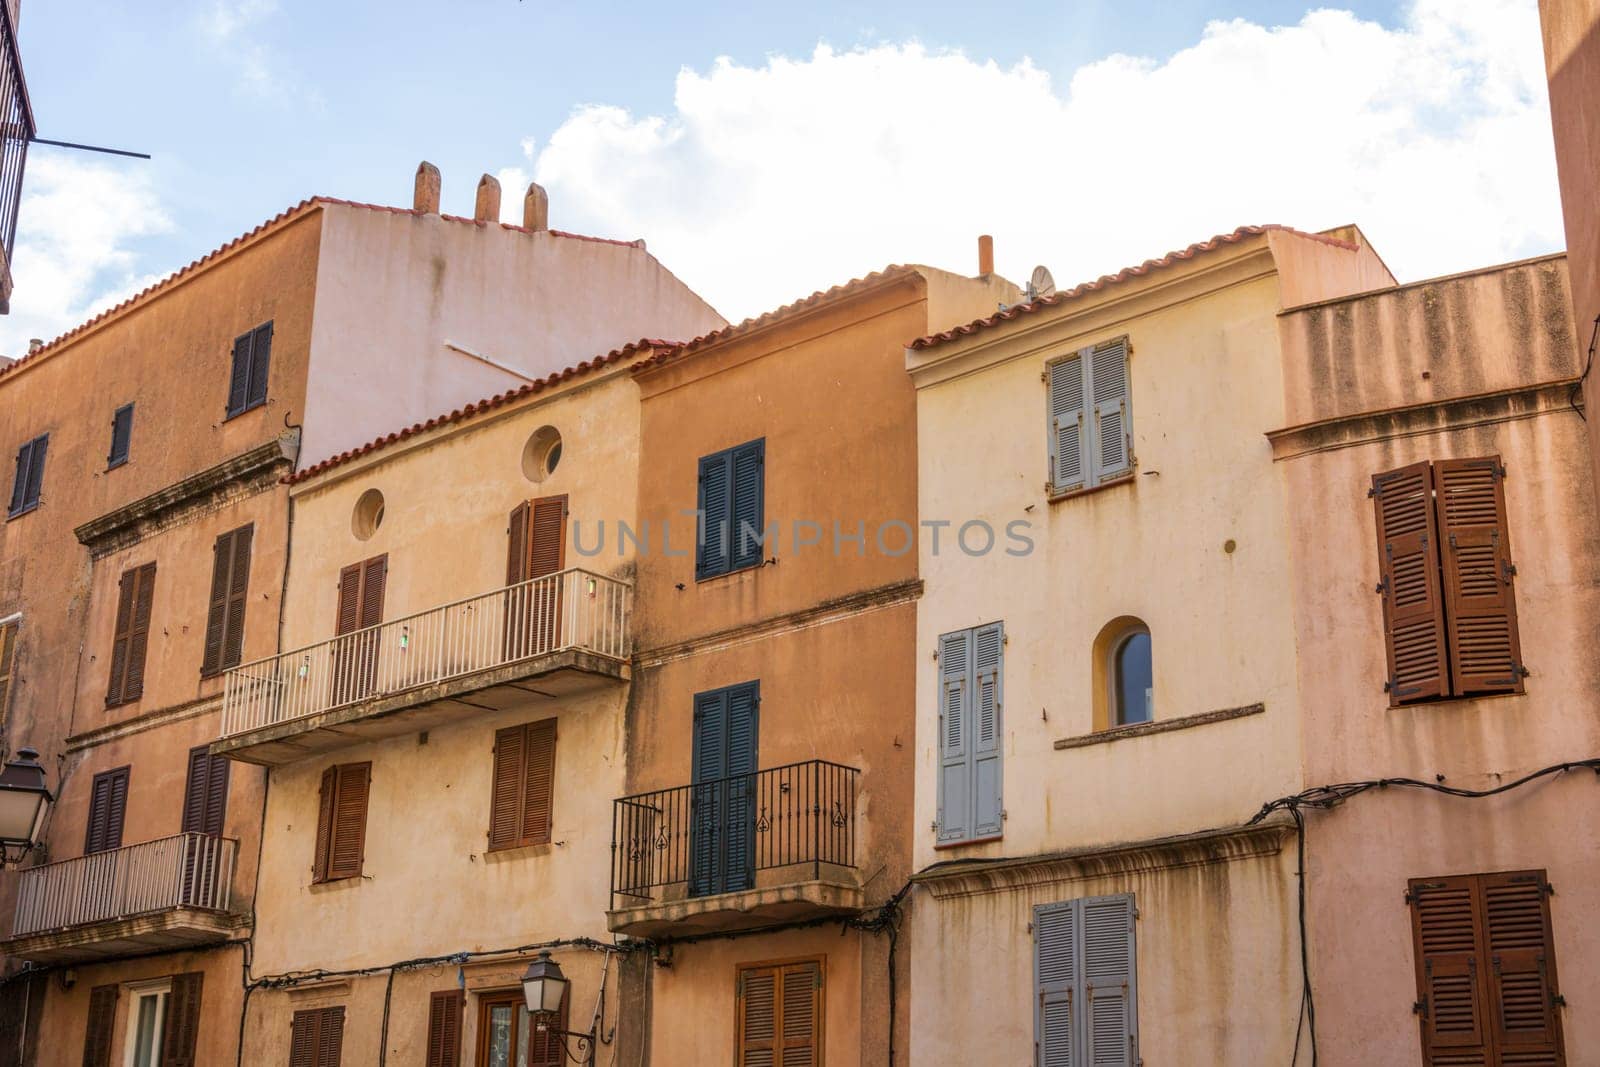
{"points": [[541, 454], [368, 515]]}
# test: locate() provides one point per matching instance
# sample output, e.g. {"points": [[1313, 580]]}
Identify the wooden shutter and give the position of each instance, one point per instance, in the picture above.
{"points": [[745, 518], [546, 1049], [1475, 549], [238, 597], [205, 795], [1522, 968], [316, 1037], [121, 435], [102, 1021], [181, 1030], [779, 1016], [347, 845], [19, 487], [517, 544], [108, 804], [1056, 986], [988, 645], [739, 796], [348, 617], [709, 763], [1450, 981], [374, 577], [713, 544], [505, 796], [239, 376], [260, 364], [547, 536], [538, 781], [444, 1028], [955, 703], [131, 638], [330, 1038], [1413, 608], [1112, 446], [1108, 1025], [326, 795], [126, 587], [8, 664], [230, 587], [36, 471], [1067, 412]]}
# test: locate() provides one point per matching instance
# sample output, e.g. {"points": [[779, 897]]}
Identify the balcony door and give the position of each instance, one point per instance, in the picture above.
{"points": [[205, 811], [721, 802], [355, 650], [536, 547]]}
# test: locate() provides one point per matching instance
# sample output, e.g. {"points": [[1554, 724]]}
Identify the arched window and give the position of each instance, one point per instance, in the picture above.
{"points": [[1132, 678]]}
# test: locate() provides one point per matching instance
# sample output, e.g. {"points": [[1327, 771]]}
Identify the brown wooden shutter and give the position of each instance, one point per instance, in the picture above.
{"points": [[131, 638], [374, 576], [325, 799], [1522, 968], [505, 798], [349, 820], [102, 1020], [217, 608], [547, 543], [108, 803], [8, 660], [181, 1030], [1413, 607], [546, 1049], [238, 597], [444, 1028], [205, 795], [538, 782], [779, 1016], [348, 618], [119, 638], [1450, 981], [517, 544], [230, 587], [316, 1037], [1475, 548], [330, 1039]]}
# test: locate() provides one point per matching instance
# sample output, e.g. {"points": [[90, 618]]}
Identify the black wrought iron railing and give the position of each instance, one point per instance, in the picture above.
{"points": [[16, 130], [713, 836]]}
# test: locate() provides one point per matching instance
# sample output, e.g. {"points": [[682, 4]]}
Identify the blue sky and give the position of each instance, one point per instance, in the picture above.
{"points": [[250, 105]]}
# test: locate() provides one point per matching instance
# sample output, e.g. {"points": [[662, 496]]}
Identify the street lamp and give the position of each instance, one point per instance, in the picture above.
{"points": [[23, 797], [544, 988]]}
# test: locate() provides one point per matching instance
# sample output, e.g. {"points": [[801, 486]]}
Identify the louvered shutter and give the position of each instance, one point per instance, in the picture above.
{"points": [[238, 596], [444, 1028], [1067, 467], [1450, 984], [1480, 604], [538, 781], [325, 800], [30, 497], [801, 1006], [348, 617], [108, 804], [545, 1049], [205, 795], [374, 577], [139, 631], [102, 1021], [517, 544], [19, 487], [239, 376], [330, 1037], [260, 363], [126, 588], [121, 435], [547, 550], [349, 820], [779, 1015], [758, 1017], [505, 798], [181, 1030], [988, 650], [713, 543], [1110, 1034], [1521, 974], [1056, 986], [1408, 563], [955, 704], [217, 609], [216, 795], [744, 728], [710, 758], [747, 513], [8, 661], [1112, 444]]}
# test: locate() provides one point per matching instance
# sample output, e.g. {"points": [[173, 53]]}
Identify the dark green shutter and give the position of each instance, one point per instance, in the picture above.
{"points": [[713, 547], [710, 760], [748, 462]]}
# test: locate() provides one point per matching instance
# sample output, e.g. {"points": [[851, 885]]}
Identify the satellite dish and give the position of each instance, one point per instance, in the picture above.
{"points": [[1041, 284]]}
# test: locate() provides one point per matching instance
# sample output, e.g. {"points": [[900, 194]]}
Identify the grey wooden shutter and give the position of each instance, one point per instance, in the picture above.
{"points": [[1108, 1023], [19, 488], [1055, 980], [988, 644], [748, 463], [955, 703], [260, 361], [36, 471], [1067, 466], [1108, 385], [713, 543], [239, 376], [121, 435]]}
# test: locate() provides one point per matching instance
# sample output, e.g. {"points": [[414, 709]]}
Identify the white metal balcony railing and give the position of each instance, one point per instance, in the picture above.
{"points": [[570, 609], [183, 871]]}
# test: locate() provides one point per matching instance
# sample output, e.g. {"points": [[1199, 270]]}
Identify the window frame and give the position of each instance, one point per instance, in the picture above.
{"points": [[161, 989], [113, 459], [1115, 695], [1095, 474], [10, 652], [37, 450], [522, 1019], [1080, 1007]]}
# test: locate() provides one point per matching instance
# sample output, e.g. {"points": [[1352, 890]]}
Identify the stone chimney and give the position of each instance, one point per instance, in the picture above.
{"points": [[487, 208], [985, 256], [536, 208], [426, 197], [34, 344]]}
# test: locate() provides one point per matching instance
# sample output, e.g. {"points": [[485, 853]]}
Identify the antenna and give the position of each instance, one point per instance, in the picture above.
{"points": [[1041, 284]]}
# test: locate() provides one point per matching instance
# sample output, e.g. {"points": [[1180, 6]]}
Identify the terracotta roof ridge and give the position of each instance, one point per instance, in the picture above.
{"points": [[1125, 274], [468, 411]]}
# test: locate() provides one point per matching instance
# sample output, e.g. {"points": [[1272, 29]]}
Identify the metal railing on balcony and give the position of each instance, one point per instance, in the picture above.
{"points": [[713, 836], [571, 609], [16, 131], [184, 871]]}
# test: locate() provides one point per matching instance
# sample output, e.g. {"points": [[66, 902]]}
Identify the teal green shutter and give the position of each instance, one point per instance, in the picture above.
{"points": [[748, 464], [1067, 461], [988, 644], [1111, 446], [710, 759], [1108, 981], [713, 541], [955, 702], [1055, 979], [744, 702]]}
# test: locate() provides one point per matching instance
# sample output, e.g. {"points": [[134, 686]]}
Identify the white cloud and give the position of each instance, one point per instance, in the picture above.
{"points": [[765, 183], [73, 258], [235, 29]]}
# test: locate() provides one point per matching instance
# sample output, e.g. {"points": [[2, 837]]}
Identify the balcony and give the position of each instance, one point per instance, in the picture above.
{"points": [[163, 894], [735, 853], [542, 640]]}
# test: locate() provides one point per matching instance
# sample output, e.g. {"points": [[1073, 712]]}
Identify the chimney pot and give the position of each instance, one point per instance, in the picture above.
{"points": [[536, 208], [426, 197], [985, 256], [34, 344], [487, 209]]}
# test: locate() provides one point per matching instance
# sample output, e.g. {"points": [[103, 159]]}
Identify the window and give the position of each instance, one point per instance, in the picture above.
{"points": [[205, 794], [316, 1037], [542, 454], [146, 1012], [1486, 969], [444, 1028], [108, 803], [247, 381], [778, 1015], [342, 822], [121, 436], [1132, 678], [230, 587], [8, 662], [367, 515], [131, 638], [507, 1036], [1085, 1002], [30, 475], [1090, 417], [536, 546], [163, 1021], [101, 1024], [524, 780], [355, 658], [732, 506], [1445, 574], [970, 663], [722, 804]]}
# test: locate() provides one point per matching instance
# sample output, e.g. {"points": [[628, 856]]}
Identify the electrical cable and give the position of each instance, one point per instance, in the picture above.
{"points": [[1577, 387]]}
